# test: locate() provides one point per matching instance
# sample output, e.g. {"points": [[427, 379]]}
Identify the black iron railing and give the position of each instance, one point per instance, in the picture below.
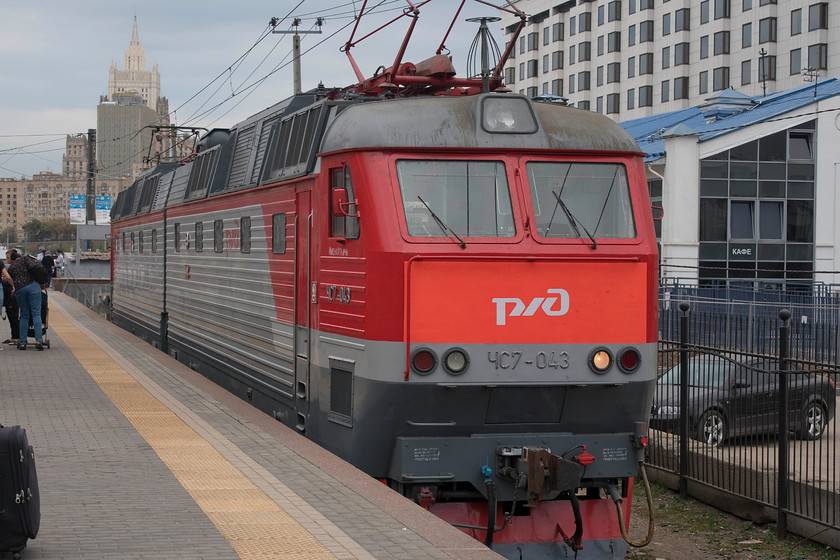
{"points": [[746, 403]]}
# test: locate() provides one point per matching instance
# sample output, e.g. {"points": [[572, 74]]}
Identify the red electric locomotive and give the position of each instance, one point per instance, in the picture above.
{"points": [[451, 286]]}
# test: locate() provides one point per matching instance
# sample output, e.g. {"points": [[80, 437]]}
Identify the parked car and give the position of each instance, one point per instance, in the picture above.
{"points": [[728, 398]]}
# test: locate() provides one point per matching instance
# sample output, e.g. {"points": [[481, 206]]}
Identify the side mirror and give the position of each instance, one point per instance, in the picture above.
{"points": [[339, 202]]}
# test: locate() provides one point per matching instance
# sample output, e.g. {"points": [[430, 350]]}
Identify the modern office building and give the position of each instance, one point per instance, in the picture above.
{"points": [[747, 187], [633, 58]]}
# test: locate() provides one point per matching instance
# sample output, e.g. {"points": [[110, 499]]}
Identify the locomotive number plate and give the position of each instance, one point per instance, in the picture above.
{"points": [[540, 360]]}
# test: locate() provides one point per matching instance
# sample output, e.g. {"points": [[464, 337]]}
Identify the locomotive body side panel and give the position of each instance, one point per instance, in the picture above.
{"points": [[137, 286], [227, 299]]}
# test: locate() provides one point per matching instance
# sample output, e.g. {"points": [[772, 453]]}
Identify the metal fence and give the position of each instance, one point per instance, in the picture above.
{"points": [[739, 314], [746, 404]]}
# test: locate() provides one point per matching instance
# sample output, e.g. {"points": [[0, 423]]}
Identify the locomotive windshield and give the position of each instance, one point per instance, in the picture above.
{"points": [[572, 200], [467, 198]]}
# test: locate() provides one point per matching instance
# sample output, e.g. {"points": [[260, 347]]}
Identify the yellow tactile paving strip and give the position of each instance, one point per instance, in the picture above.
{"points": [[254, 525]]}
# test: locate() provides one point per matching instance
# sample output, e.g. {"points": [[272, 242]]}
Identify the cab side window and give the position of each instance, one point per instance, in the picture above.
{"points": [[344, 220]]}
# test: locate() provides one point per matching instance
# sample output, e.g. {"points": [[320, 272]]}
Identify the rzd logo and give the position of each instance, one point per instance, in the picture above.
{"points": [[544, 303]]}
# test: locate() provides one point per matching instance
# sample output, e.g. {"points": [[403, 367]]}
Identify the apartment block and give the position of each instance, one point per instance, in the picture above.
{"points": [[634, 58]]}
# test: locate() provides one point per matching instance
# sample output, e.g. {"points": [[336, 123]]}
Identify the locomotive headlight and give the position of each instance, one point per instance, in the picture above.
{"points": [[506, 114], [600, 360], [455, 361]]}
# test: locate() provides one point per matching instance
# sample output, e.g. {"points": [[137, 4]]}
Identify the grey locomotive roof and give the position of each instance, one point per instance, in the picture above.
{"points": [[455, 122]]}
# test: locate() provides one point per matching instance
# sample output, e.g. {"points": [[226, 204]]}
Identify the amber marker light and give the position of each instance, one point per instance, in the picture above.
{"points": [[600, 360]]}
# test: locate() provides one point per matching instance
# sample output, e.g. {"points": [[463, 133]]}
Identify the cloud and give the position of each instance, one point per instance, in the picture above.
{"points": [[56, 58], [34, 140]]}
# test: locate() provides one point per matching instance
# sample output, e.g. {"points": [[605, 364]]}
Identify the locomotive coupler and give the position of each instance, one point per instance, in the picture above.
{"points": [[544, 474]]}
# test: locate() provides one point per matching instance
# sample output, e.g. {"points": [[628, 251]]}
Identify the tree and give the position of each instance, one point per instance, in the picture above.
{"points": [[33, 230], [8, 236], [49, 230]]}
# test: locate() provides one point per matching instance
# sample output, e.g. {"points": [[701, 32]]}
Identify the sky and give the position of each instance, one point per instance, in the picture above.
{"points": [[55, 56]]}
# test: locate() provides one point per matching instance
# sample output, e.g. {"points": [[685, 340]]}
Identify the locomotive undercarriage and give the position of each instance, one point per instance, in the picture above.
{"points": [[520, 479], [528, 502], [510, 479]]}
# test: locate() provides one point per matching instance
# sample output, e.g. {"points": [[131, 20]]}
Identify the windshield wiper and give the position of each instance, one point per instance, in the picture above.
{"points": [[445, 228], [573, 221]]}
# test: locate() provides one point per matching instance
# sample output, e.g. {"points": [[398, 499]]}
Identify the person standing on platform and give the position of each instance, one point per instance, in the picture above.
{"points": [[48, 262], [28, 294], [59, 262], [9, 305]]}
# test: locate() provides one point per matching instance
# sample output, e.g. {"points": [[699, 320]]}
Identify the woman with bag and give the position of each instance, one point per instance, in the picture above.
{"points": [[28, 295], [10, 307]]}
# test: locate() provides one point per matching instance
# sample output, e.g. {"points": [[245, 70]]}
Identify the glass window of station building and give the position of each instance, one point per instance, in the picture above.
{"points": [[756, 210]]}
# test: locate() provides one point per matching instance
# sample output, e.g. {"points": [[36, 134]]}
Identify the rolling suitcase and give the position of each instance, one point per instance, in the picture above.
{"points": [[20, 504]]}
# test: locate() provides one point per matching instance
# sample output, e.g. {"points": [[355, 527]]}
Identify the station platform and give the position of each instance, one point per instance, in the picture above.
{"points": [[140, 457]]}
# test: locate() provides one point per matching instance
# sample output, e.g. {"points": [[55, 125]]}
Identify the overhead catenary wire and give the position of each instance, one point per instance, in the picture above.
{"points": [[347, 9], [101, 141], [228, 72], [249, 89]]}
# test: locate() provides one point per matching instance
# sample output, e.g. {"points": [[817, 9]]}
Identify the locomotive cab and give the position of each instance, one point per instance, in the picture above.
{"points": [[509, 294]]}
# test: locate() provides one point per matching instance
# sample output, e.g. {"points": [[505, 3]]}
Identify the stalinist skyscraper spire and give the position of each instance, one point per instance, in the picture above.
{"points": [[135, 57], [135, 78]]}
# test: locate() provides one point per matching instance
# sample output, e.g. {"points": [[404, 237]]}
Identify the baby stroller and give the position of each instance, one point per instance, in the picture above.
{"points": [[45, 313]]}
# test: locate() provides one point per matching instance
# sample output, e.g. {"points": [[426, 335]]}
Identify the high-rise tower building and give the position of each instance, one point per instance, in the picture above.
{"points": [[124, 118], [124, 131], [135, 78], [635, 58]]}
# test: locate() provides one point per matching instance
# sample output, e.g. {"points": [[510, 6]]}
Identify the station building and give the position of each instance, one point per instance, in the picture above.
{"points": [[746, 187]]}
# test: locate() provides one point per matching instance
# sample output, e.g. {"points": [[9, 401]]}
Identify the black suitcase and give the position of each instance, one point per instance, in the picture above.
{"points": [[20, 504]]}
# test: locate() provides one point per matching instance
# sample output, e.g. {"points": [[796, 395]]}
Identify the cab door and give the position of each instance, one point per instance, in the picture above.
{"points": [[303, 308]]}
